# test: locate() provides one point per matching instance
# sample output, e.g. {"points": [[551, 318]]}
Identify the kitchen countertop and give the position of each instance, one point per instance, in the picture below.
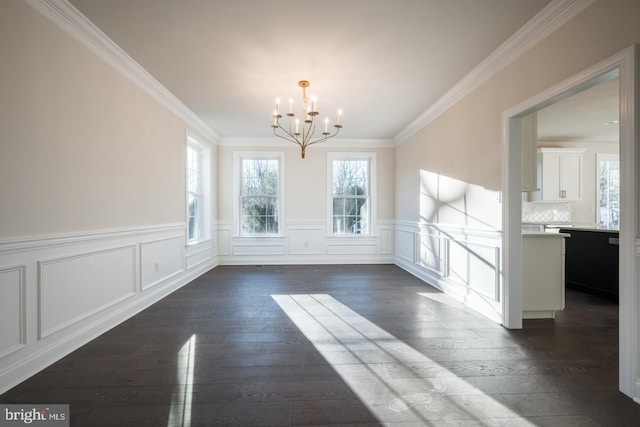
{"points": [[553, 228], [589, 228], [544, 234]]}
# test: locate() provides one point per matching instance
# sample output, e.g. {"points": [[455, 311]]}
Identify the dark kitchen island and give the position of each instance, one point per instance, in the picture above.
{"points": [[591, 263]]}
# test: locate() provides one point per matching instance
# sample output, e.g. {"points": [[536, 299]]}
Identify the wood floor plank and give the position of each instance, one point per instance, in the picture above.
{"points": [[338, 345]]}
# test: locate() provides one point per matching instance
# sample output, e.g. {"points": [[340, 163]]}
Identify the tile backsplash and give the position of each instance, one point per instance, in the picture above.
{"points": [[546, 212]]}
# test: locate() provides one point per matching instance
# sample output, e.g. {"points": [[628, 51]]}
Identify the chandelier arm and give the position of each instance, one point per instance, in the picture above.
{"points": [[325, 137], [278, 126], [291, 138], [311, 130]]}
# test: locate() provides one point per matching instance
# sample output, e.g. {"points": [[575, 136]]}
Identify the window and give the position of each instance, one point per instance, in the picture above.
{"points": [[260, 193], [609, 191], [351, 190], [198, 165]]}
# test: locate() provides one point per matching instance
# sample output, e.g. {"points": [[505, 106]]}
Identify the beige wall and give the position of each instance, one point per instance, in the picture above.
{"points": [[306, 180], [81, 147], [465, 143]]}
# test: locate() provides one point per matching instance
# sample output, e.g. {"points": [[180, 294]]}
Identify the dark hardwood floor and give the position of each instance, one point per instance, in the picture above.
{"points": [[338, 345]]}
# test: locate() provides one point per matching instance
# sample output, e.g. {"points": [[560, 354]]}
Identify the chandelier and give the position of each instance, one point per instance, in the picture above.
{"points": [[301, 130]]}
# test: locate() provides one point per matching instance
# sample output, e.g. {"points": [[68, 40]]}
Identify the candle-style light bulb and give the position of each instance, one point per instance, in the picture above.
{"points": [[339, 115], [290, 105], [275, 117], [297, 123], [277, 106], [326, 124]]}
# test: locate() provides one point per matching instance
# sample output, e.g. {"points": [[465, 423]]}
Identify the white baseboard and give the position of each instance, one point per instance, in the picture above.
{"points": [[125, 271]]}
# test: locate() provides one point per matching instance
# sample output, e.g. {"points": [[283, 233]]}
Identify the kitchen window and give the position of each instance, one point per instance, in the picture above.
{"points": [[609, 191]]}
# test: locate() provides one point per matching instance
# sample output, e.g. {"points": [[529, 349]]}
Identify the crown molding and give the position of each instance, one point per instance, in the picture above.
{"points": [[548, 20], [69, 19], [270, 142]]}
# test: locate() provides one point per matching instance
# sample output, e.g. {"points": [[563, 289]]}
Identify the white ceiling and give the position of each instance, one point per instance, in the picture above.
{"points": [[384, 62], [585, 116]]}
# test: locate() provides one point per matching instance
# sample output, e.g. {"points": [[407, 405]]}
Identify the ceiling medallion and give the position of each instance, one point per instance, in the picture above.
{"points": [[302, 132]]}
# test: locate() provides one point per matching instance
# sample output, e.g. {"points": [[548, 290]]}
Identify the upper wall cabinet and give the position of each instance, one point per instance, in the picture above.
{"points": [[561, 177]]}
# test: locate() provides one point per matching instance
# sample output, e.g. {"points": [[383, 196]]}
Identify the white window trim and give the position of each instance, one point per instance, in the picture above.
{"points": [[238, 157], [205, 150], [371, 158]]}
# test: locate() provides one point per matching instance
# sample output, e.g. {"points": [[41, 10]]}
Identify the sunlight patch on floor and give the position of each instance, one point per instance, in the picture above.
{"points": [[181, 400], [386, 374]]}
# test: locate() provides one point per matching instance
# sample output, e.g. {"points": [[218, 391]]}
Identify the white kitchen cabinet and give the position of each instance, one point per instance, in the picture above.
{"points": [[543, 274], [561, 177]]}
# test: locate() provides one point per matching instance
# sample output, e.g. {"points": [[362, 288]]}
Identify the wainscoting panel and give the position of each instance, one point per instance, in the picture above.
{"points": [[200, 253], [268, 247], [476, 266], [461, 261], [73, 288], [305, 242], [386, 240], [12, 309], [405, 245], [59, 292], [433, 250], [352, 246], [161, 259], [224, 239]]}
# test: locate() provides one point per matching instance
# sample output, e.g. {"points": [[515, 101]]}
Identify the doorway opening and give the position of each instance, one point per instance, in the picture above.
{"points": [[624, 67]]}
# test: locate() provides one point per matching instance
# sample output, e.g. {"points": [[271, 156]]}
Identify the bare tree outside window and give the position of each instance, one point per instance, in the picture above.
{"points": [[609, 191], [194, 194], [260, 197], [350, 197]]}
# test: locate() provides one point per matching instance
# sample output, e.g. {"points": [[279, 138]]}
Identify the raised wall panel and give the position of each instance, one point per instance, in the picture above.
{"points": [[161, 259], [475, 266], [257, 249], [355, 247], [405, 244], [463, 262], [433, 253], [305, 241], [59, 292], [12, 309], [386, 241], [224, 241], [73, 288], [199, 254]]}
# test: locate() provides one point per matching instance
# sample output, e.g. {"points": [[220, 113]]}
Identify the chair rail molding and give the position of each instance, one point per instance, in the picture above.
{"points": [[61, 291]]}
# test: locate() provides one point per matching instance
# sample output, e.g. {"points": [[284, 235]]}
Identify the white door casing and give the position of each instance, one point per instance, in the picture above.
{"points": [[625, 65]]}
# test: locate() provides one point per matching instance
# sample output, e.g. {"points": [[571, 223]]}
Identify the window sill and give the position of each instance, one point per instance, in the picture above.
{"points": [[199, 242]]}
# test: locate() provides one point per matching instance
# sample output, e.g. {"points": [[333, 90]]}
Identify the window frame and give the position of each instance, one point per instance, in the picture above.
{"points": [[238, 174], [204, 179], [370, 158]]}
